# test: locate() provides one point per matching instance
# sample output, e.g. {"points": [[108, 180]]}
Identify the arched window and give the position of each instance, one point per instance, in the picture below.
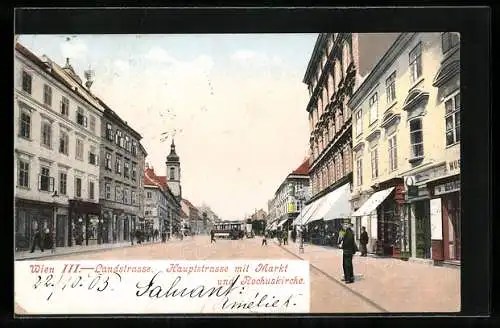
{"points": [[330, 85], [338, 74], [172, 173]]}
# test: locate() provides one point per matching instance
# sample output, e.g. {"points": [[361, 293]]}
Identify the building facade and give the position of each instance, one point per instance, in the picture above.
{"points": [[122, 185], [159, 203], [406, 145], [193, 217], [290, 197], [338, 63], [56, 143], [208, 217]]}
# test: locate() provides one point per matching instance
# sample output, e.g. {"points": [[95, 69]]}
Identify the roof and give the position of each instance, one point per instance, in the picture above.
{"points": [[188, 203], [303, 169]]}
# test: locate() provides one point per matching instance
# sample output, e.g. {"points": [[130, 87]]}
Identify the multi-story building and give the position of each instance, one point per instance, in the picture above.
{"points": [[121, 182], [291, 195], [208, 217], [158, 202], [193, 216], [338, 63], [406, 136], [57, 134]]}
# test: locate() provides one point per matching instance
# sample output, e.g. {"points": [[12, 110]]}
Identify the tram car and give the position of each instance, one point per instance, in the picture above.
{"points": [[229, 230]]}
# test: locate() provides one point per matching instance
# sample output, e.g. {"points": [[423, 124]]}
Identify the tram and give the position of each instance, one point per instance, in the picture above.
{"points": [[229, 230]]}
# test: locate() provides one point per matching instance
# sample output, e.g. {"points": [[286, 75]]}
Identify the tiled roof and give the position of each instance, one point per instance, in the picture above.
{"points": [[151, 179], [303, 169]]}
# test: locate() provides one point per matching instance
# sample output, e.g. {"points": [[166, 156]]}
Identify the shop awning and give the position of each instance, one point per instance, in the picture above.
{"points": [[282, 222], [314, 206], [373, 202], [304, 211], [335, 205]]}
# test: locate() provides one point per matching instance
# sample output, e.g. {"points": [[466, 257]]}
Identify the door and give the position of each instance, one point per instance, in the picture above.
{"points": [[453, 226], [61, 230]]}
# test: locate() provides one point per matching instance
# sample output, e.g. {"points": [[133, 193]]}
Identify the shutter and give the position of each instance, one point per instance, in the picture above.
{"points": [[39, 182], [51, 182]]}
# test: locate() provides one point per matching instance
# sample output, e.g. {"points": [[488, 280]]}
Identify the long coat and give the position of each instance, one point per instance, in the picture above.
{"points": [[348, 244]]}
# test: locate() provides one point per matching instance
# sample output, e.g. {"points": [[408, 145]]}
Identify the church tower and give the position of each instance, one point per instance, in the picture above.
{"points": [[174, 172]]}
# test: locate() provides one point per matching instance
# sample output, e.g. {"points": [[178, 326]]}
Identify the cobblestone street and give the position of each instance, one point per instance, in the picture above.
{"points": [[382, 285]]}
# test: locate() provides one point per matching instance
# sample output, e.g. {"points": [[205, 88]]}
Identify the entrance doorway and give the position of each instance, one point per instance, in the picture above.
{"points": [[423, 229], [453, 208], [61, 225]]}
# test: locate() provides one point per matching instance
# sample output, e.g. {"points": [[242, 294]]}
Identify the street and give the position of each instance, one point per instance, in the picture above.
{"points": [[382, 284]]}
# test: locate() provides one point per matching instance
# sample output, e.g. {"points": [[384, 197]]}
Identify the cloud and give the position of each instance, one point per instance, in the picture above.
{"points": [[245, 56], [157, 54], [121, 65], [73, 49]]}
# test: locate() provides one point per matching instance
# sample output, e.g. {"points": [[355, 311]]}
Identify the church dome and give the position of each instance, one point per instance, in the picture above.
{"points": [[172, 157]]}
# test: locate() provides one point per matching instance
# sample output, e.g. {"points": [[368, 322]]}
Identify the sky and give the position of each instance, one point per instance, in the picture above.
{"points": [[235, 104]]}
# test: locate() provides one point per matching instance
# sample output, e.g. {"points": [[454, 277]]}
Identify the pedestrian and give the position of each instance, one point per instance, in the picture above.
{"points": [[363, 241], [349, 248], [212, 236], [48, 242], [132, 237], [37, 241], [264, 239], [285, 237]]}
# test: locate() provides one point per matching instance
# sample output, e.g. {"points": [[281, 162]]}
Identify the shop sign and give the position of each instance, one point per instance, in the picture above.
{"points": [[430, 174], [410, 188], [292, 208], [453, 166], [446, 188], [436, 219]]}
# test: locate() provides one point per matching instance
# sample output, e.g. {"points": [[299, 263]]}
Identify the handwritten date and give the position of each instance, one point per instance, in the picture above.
{"points": [[91, 282]]}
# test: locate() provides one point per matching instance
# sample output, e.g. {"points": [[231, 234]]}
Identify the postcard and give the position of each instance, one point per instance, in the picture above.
{"points": [[237, 173]]}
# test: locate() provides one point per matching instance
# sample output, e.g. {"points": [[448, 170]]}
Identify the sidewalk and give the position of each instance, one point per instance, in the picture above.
{"points": [[26, 255], [396, 285]]}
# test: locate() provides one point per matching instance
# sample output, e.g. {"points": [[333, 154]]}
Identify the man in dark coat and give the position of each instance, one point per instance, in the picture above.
{"points": [[37, 241], [212, 236], [349, 249], [363, 241]]}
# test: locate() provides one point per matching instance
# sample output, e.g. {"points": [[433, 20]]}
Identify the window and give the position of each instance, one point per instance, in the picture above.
{"points": [[148, 195], [373, 103], [47, 95], [107, 188], [118, 165], [416, 138], [63, 183], [125, 196], [134, 171], [80, 117], [449, 41], [63, 142], [79, 149], [452, 117], [65, 106], [108, 162], [393, 153], [359, 122], [390, 88], [416, 63], [91, 190], [172, 173], [118, 194], [109, 132], [133, 198], [126, 170], [374, 160], [92, 123], [338, 74], [134, 147], [93, 156], [23, 174], [78, 187], [119, 138], [46, 134], [45, 181], [25, 125], [359, 170], [27, 82], [127, 143]]}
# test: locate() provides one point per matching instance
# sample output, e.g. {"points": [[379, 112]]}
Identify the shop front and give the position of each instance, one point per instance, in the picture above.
{"points": [[446, 218], [388, 204], [84, 223], [31, 216], [368, 221]]}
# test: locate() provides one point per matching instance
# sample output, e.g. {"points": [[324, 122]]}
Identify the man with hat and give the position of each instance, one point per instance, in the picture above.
{"points": [[349, 248]]}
